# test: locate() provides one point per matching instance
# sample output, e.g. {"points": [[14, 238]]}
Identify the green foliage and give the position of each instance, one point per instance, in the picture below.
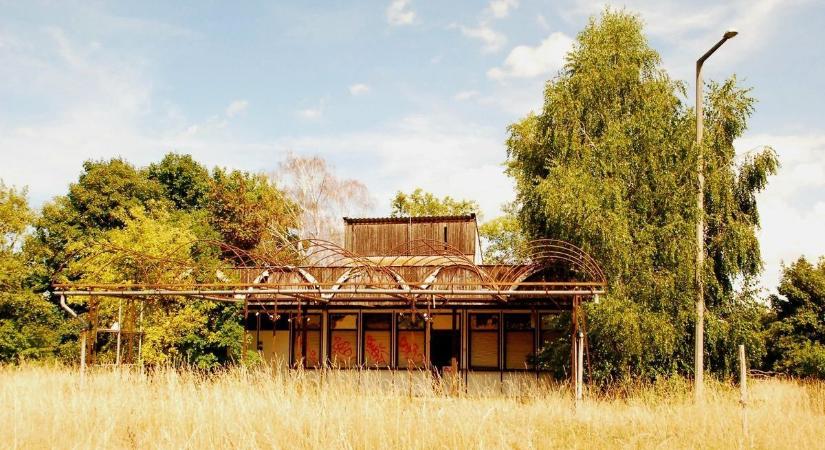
{"points": [[185, 181], [177, 330], [103, 198], [421, 203], [609, 165], [504, 241], [249, 211], [107, 190], [15, 216], [740, 321], [121, 224], [29, 325], [797, 333]]}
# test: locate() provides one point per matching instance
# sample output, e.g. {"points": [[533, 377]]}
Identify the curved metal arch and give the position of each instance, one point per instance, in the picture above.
{"points": [[438, 254], [353, 271], [545, 253], [442, 256]]}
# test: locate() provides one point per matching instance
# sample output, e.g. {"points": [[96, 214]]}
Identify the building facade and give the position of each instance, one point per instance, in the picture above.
{"points": [[414, 293]]}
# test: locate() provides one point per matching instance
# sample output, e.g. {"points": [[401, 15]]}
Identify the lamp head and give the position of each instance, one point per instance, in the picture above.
{"points": [[730, 33]]}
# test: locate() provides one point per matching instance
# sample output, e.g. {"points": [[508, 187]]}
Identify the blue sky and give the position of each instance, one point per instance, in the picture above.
{"points": [[395, 93]]}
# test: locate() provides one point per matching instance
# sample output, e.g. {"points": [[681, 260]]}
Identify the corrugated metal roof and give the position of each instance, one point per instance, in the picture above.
{"points": [[418, 219]]}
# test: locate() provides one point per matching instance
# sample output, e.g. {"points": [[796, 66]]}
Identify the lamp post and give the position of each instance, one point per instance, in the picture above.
{"points": [[699, 350]]}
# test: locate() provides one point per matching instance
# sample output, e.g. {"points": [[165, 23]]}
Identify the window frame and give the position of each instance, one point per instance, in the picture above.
{"points": [[356, 360], [506, 330], [471, 330], [295, 333], [398, 330], [363, 339]]}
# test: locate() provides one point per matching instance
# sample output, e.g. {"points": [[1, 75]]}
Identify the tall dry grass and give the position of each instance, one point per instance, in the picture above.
{"points": [[43, 407]]}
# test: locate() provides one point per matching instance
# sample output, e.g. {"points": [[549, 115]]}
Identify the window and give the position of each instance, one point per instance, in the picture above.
{"points": [[484, 341], [553, 328], [343, 340], [312, 357], [261, 326], [519, 332], [410, 341], [272, 336], [377, 330]]}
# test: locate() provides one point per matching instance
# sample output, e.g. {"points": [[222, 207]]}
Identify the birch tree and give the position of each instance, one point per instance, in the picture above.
{"points": [[324, 198]]}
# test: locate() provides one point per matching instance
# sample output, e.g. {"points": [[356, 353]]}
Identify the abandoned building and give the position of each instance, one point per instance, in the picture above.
{"points": [[402, 293], [413, 292]]}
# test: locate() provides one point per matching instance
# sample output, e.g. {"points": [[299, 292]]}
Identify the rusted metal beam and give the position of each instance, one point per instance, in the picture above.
{"points": [[348, 291], [69, 286]]}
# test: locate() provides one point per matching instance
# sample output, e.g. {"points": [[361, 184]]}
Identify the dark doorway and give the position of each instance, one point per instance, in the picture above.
{"points": [[444, 340], [441, 348]]}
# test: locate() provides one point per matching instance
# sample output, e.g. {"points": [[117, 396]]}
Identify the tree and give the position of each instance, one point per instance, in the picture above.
{"points": [[797, 331], [163, 247], [324, 198], [608, 165], [185, 181], [249, 211], [421, 203], [123, 224], [102, 199], [29, 325], [107, 190], [503, 239]]}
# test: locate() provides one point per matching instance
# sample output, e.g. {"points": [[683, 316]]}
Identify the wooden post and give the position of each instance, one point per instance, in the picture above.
{"points": [[243, 338], [273, 356], [579, 367], [82, 358], [743, 391], [258, 345], [303, 322], [119, 327], [94, 324], [574, 319], [140, 339]]}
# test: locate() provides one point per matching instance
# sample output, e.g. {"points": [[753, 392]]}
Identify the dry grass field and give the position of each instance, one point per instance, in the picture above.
{"points": [[42, 407]]}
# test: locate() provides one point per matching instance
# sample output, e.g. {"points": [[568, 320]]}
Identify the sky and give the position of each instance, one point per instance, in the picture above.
{"points": [[396, 93]]}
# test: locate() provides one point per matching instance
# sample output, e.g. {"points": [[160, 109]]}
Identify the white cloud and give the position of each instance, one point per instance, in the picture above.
{"points": [[358, 89], [94, 101], [236, 107], [400, 13], [690, 29], [437, 152], [491, 39], [108, 108], [501, 8], [792, 208], [528, 62], [101, 105], [466, 95]]}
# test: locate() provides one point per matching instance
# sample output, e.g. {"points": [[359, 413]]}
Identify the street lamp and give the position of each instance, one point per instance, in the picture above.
{"points": [[699, 351]]}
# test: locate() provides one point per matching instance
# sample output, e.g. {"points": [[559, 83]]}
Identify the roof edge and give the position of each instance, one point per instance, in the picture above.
{"points": [[415, 219]]}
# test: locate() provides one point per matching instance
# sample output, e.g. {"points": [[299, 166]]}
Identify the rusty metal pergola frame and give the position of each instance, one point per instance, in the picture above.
{"points": [[320, 272], [314, 273]]}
